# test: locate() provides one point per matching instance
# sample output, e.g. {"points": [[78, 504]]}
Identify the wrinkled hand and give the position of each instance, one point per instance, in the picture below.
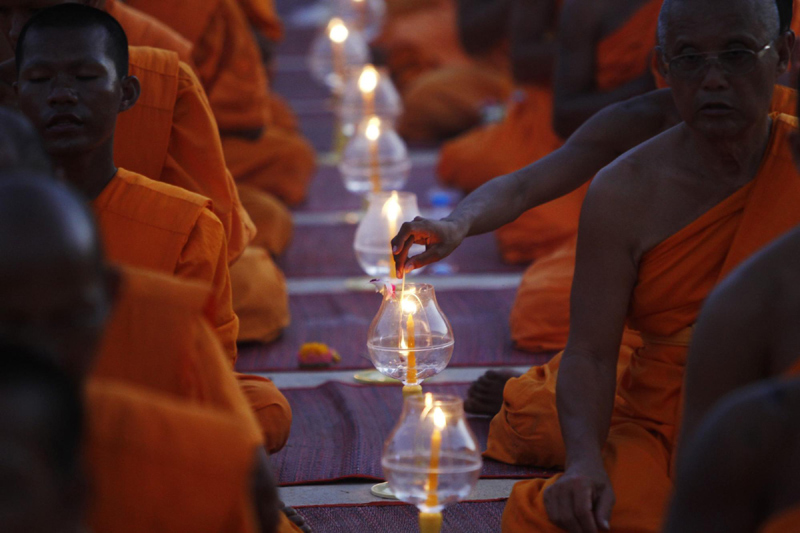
{"points": [[581, 500], [440, 238]]}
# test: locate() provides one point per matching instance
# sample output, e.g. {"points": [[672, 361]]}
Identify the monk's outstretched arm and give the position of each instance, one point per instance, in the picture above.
{"points": [[533, 44], [606, 136], [605, 274], [576, 94]]}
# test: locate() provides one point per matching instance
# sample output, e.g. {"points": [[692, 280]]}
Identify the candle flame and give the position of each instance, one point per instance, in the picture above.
{"points": [[391, 209], [428, 400], [373, 129], [439, 418], [337, 31], [409, 306], [368, 81]]}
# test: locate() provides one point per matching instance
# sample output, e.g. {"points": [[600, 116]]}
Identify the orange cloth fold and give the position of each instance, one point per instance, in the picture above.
{"points": [[144, 30], [160, 465], [785, 522], [158, 338], [171, 136], [675, 277], [260, 296], [270, 216], [263, 16], [153, 225], [271, 409]]}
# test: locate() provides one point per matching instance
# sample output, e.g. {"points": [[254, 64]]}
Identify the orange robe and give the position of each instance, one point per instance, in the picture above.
{"points": [[170, 134], [785, 522], [229, 64], [443, 88], [526, 135], [199, 148], [153, 225], [160, 465], [263, 16], [674, 279]]}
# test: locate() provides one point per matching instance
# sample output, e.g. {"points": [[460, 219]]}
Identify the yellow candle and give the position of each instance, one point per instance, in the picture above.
{"points": [[362, 13], [411, 373], [367, 84], [338, 33], [373, 133], [440, 421]]}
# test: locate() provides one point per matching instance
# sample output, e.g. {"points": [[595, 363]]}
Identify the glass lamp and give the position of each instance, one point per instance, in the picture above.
{"points": [[369, 92], [410, 339], [386, 213], [431, 459], [365, 15], [374, 159], [334, 51]]}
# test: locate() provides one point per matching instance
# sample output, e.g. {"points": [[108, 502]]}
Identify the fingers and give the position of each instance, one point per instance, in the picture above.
{"points": [[582, 510], [570, 505], [431, 255], [603, 505], [401, 245]]}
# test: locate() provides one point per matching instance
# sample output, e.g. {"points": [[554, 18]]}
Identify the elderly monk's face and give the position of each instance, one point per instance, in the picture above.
{"points": [[14, 14], [60, 305], [69, 88], [729, 93]]}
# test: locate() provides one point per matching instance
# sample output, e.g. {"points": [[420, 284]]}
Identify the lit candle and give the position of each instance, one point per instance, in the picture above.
{"points": [[338, 33], [373, 133], [367, 83], [392, 212], [411, 373], [440, 422]]}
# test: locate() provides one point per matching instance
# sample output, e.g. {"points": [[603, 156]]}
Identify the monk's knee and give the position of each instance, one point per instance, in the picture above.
{"points": [[271, 409]]}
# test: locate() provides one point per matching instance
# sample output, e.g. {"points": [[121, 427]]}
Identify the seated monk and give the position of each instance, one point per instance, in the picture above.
{"points": [[134, 328], [660, 228], [448, 96], [604, 51], [171, 135], [743, 336], [526, 430], [228, 60], [143, 223]]}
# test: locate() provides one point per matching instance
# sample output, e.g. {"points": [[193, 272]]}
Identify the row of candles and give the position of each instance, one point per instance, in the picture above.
{"points": [[431, 458]]}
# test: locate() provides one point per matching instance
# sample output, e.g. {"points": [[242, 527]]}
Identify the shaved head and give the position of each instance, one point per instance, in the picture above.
{"points": [[764, 15], [20, 145], [57, 290]]}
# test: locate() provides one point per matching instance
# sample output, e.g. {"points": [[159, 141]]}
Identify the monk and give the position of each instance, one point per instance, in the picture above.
{"points": [[143, 340], [741, 472], [660, 228], [450, 62], [171, 136], [41, 469], [144, 223], [228, 60], [604, 51], [743, 340]]}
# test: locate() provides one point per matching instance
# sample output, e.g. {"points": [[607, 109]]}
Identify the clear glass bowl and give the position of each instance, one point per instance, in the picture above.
{"points": [[431, 459], [337, 49], [385, 214], [374, 149], [367, 16], [410, 339], [359, 103]]}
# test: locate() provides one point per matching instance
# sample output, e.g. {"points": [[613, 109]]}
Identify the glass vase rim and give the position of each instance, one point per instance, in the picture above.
{"points": [[388, 194], [445, 400]]}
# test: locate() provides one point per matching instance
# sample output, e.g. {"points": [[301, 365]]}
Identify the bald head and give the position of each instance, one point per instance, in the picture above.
{"points": [[20, 145], [56, 288], [766, 17]]}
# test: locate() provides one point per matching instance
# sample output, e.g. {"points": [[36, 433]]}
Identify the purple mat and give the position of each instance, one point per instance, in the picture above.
{"points": [[322, 251], [479, 320], [338, 433], [465, 517]]}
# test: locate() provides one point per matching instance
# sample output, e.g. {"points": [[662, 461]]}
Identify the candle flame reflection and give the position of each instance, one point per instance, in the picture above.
{"points": [[439, 418]]}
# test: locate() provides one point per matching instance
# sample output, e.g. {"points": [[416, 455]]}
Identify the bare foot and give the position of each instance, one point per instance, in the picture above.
{"points": [[485, 396], [295, 518]]}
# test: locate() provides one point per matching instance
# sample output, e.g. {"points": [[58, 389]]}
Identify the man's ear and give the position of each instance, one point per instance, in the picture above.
{"points": [[784, 47], [131, 89]]}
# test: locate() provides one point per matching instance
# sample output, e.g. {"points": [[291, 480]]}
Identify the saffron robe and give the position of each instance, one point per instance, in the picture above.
{"points": [[785, 522], [228, 61], [161, 465], [153, 225], [675, 277], [263, 16], [526, 135], [171, 134]]}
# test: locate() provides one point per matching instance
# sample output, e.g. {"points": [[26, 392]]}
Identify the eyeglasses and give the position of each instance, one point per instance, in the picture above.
{"points": [[732, 62]]}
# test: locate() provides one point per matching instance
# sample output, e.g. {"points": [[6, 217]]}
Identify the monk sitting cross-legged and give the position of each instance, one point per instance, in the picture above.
{"points": [[164, 428], [659, 229], [73, 95], [171, 136], [526, 431], [737, 466], [258, 152]]}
